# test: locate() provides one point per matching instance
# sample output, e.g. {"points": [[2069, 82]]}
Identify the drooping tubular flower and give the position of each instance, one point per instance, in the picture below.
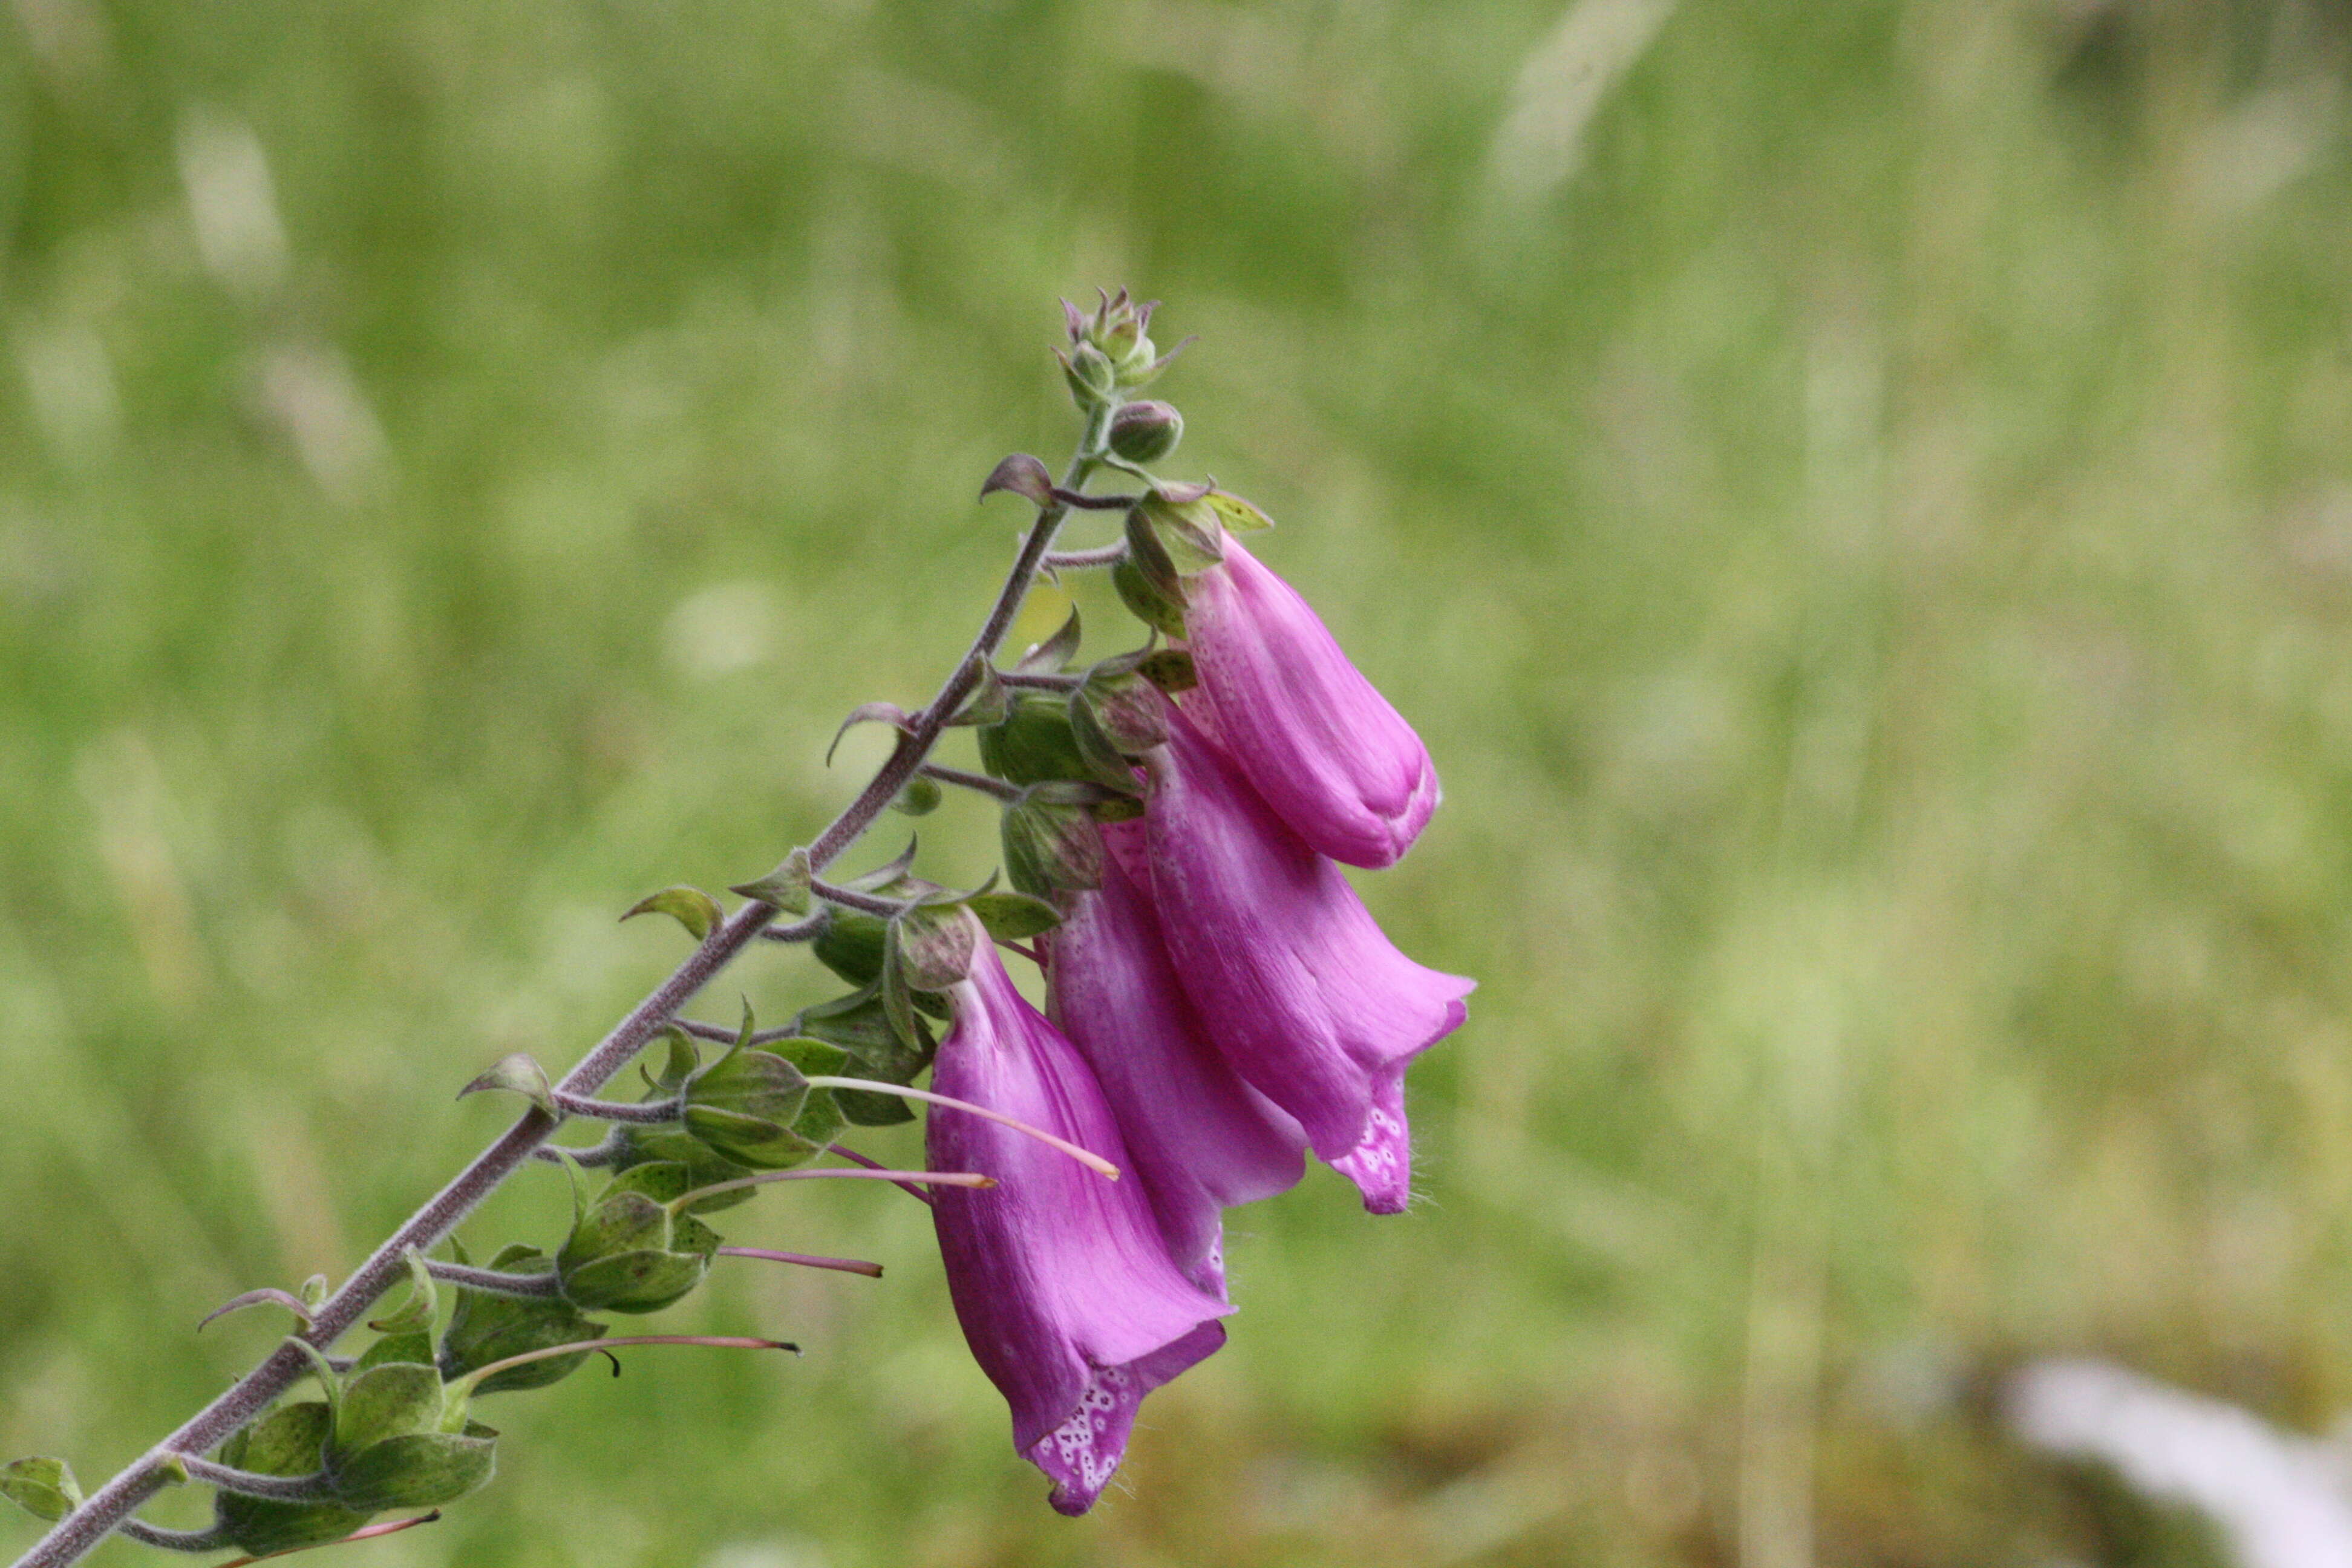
{"points": [[1292, 979], [1201, 1138], [1337, 762], [1064, 1288]]}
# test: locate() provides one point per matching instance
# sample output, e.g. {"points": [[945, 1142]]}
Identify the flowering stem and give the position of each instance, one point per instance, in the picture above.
{"points": [[806, 1260], [157, 1535], [981, 783], [106, 1510], [496, 1281], [685, 1201], [851, 898], [645, 1112], [1086, 1157], [279, 1489], [1040, 681], [1079, 559]]}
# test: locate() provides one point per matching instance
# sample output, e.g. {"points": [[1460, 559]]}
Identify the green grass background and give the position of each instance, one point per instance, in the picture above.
{"points": [[1858, 498]]}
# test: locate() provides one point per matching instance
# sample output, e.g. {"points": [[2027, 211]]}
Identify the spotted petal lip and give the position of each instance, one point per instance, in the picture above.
{"points": [[1201, 1138], [1065, 1290], [1295, 983], [1333, 758]]}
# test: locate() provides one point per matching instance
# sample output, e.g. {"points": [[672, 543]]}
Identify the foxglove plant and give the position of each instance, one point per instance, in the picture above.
{"points": [[1219, 1001]]}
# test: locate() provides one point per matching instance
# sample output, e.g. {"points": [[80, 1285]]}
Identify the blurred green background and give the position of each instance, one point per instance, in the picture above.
{"points": [[1858, 498]]}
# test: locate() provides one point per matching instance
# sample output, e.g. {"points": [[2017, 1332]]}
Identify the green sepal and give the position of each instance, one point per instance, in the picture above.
{"points": [[704, 1165], [289, 1441], [857, 1025], [485, 1328], [1014, 916], [1121, 708], [1169, 668], [422, 1469], [43, 1487], [629, 1254], [410, 1347], [935, 946], [897, 1001], [851, 946], [679, 1063], [645, 1281], [692, 908], [1238, 515], [387, 1401], [1179, 518], [1155, 602], [1034, 743], [1051, 843]]}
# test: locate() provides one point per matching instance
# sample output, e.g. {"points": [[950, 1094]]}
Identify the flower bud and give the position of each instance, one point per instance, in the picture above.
{"points": [[1146, 432], [402, 1439], [1051, 844]]}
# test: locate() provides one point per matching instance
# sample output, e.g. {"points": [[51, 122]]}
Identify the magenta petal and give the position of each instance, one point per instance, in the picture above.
{"points": [[1293, 978], [1325, 749], [1064, 1288], [1201, 1138]]}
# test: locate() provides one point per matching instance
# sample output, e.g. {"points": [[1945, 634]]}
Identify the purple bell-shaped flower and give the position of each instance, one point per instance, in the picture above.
{"points": [[1321, 745], [1060, 1278], [1285, 968]]}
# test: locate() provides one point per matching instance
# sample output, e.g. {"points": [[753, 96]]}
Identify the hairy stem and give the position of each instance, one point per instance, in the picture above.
{"points": [[979, 782], [279, 1489], [108, 1510], [496, 1281]]}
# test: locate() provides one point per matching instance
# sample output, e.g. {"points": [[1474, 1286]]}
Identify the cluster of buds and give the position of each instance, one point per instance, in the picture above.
{"points": [[1219, 1005]]}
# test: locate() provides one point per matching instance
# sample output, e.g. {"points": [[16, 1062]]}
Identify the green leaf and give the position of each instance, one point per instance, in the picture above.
{"points": [[1054, 655], [386, 1401], [423, 1469], [1025, 476], [313, 1292], [42, 1486], [692, 908], [1014, 916], [1236, 514], [1169, 668], [787, 888]]}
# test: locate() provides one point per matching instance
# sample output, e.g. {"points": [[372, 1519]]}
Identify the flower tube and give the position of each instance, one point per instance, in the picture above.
{"points": [[1061, 1280], [1287, 969], [1202, 1140], [1335, 761]]}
